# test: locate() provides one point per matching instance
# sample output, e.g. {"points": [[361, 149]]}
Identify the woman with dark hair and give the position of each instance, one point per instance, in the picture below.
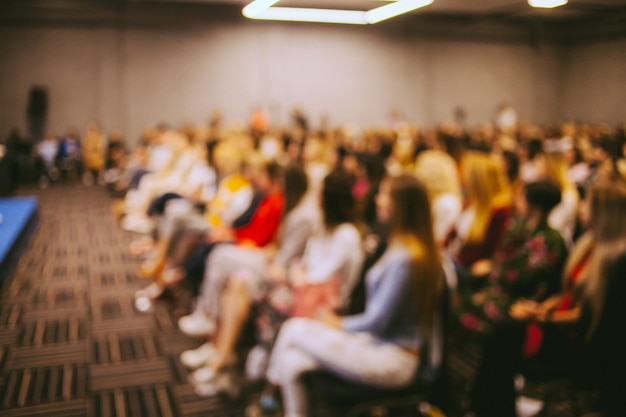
{"points": [[329, 266], [579, 331], [380, 346], [234, 280], [527, 266]]}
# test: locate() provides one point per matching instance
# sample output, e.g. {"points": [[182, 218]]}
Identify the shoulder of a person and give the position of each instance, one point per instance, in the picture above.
{"points": [[348, 231]]}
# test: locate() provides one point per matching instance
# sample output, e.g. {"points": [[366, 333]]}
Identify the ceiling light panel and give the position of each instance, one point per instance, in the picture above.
{"points": [[266, 10], [547, 4]]}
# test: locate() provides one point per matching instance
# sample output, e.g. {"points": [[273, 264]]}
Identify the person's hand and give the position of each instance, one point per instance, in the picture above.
{"points": [[297, 274], [479, 298], [220, 234], [523, 310], [481, 268], [329, 318], [276, 273], [270, 252]]}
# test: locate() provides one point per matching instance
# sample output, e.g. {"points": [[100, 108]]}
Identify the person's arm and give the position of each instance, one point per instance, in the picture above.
{"points": [[294, 242], [381, 306]]}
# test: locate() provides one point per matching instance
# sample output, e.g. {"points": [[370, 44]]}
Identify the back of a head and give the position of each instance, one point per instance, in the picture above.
{"points": [[337, 202], [411, 212], [484, 178], [556, 168], [608, 211], [486, 188], [545, 195], [296, 185], [439, 172], [227, 158]]}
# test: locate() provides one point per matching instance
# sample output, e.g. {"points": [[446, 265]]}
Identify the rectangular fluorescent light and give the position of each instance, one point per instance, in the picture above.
{"points": [[395, 9], [262, 9], [256, 7], [297, 14], [547, 4]]}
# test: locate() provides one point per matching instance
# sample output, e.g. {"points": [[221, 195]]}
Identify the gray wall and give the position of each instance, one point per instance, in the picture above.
{"points": [[130, 75], [595, 82]]}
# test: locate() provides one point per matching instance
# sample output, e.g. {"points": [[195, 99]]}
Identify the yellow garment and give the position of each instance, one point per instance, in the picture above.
{"points": [[221, 208], [93, 150]]}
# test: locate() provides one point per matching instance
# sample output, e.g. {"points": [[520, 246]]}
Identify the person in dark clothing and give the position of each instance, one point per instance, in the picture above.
{"points": [[579, 332]]}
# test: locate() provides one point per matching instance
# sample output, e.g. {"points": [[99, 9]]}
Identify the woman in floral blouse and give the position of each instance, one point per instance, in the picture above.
{"points": [[527, 264]]}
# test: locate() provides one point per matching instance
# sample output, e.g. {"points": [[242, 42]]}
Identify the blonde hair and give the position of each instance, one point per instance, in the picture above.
{"points": [[608, 205], [228, 157], [557, 170], [439, 173], [487, 188]]}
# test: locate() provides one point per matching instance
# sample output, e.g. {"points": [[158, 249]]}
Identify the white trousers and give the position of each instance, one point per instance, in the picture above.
{"points": [[224, 261], [306, 344]]}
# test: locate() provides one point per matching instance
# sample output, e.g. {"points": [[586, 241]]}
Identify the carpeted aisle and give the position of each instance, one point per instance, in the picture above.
{"points": [[71, 343]]}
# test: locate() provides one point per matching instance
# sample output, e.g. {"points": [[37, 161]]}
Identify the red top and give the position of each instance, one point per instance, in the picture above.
{"points": [[568, 298], [472, 252], [264, 223]]}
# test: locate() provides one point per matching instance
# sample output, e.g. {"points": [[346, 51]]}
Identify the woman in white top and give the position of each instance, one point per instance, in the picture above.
{"points": [[332, 255]]}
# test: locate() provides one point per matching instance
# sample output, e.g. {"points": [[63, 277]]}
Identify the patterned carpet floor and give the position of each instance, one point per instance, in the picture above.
{"points": [[71, 343]]}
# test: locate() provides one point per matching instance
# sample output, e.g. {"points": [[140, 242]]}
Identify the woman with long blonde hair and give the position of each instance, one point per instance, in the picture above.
{"points": [[604, 308], [482, 223], [440, 174]]}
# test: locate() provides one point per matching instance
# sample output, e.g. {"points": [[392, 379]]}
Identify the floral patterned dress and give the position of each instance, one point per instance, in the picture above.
{"points": [[527, 265]]}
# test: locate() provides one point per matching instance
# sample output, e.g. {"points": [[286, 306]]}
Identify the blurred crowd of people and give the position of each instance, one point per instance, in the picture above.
{"points": [[338, 244]]}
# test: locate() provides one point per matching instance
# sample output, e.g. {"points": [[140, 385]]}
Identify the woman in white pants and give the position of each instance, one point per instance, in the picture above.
{"points": [[380, 346]]}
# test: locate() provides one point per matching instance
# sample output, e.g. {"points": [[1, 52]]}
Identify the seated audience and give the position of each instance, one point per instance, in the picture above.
{"points": [[255, 228], [237, 277], [576, 331], [94, 154], [46, 153], [526, 265], [69, 157], [380, 346], [331, 260]]}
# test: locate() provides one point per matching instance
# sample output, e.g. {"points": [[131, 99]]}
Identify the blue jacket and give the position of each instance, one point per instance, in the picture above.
{"points": [[389, 313]]}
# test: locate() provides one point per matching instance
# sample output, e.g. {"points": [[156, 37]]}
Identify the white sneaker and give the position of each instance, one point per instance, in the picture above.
{"points": [[195, 358], [256, 363], [222, 382], [202, 375], [196, 324], [137, 224]]}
